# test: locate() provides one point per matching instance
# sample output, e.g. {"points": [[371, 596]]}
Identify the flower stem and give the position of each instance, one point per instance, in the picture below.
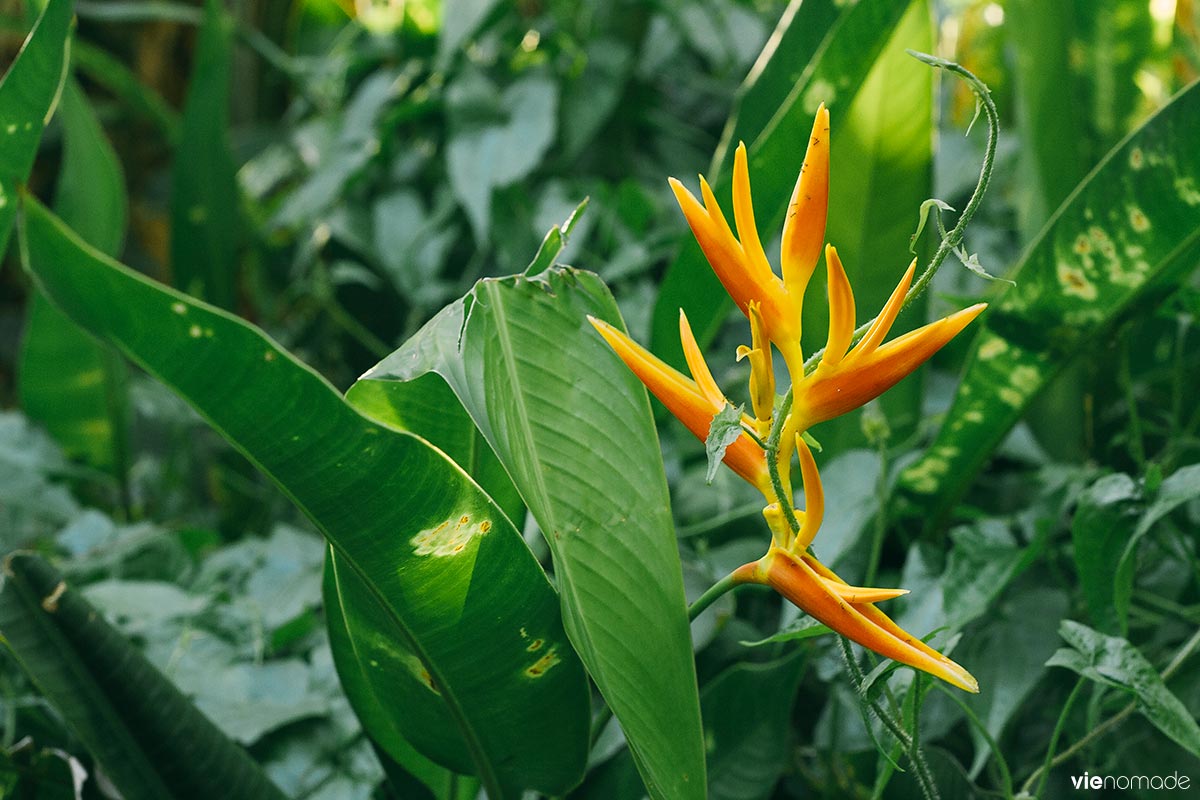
{"points": [[726, 584], [952, 240], [782, 496], [910, 744]]}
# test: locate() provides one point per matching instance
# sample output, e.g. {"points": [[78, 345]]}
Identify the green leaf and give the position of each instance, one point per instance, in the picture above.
{"points": [[28, 93], [1051, 161], [1113, 661], [204, 190], [573, 427], [1181, 487], [724, 430], [932, 204], [1008, 656], [1125, 237], [366, 667], [748, 724], [821, 52], [118, 79], [460, 19], [69, 383], [803, 627], [555, 242], [150, 739], [1103, 522], [881, 164], [454, 584], [484, 154], [428, 408]]}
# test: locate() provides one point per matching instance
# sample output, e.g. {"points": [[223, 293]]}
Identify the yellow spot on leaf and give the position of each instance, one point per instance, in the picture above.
{"points": [[1138, 221], [1011, 396], [1025, 378], [992, 347], [539, 668], [1074, 282], [449, 538], [1188, 193], [179, 308]]}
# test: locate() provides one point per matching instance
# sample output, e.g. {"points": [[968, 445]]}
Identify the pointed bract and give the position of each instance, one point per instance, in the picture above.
{"points": [[861, 376], [821, 594], [684, 399], [841, 309], [804, 226]]}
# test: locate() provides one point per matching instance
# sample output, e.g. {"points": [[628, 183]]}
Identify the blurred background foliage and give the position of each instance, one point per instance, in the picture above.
{"points": [[314, 166]]}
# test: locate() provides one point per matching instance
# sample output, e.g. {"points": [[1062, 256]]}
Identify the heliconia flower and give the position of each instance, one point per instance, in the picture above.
{"points": [[846, 377], [846, 380], [849, 610], [693, 402]]}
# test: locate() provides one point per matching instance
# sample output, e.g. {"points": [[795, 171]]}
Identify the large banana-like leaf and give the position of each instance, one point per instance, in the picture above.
{"points": [[821, 52], [573, 428], [204, 190], [28, 94], [1122, 240], [455, 602], [152, 742], [70, 383]]}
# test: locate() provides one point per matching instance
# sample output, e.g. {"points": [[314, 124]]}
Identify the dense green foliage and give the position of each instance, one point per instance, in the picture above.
{"points": [[314, 479]]}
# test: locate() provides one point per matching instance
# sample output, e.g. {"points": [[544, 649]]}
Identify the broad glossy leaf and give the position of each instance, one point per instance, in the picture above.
{"points": [[204, 190], [455, 586], [69, 383], [460, 18], [573, 428], [1121, 241], [1113, 661], [28, 94], [1181, 487], [1052, 157], [429, 408], [748, 724], [1008, 656], [496, 138], [799, 72], [366, 668], [150, 739], [1104, 521]]}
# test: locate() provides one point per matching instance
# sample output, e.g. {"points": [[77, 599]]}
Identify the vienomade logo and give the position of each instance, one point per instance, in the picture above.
{"points": [[1168, 782]]}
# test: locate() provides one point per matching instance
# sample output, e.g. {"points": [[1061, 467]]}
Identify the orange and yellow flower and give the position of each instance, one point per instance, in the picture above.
{"points": [[848, 375]]}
